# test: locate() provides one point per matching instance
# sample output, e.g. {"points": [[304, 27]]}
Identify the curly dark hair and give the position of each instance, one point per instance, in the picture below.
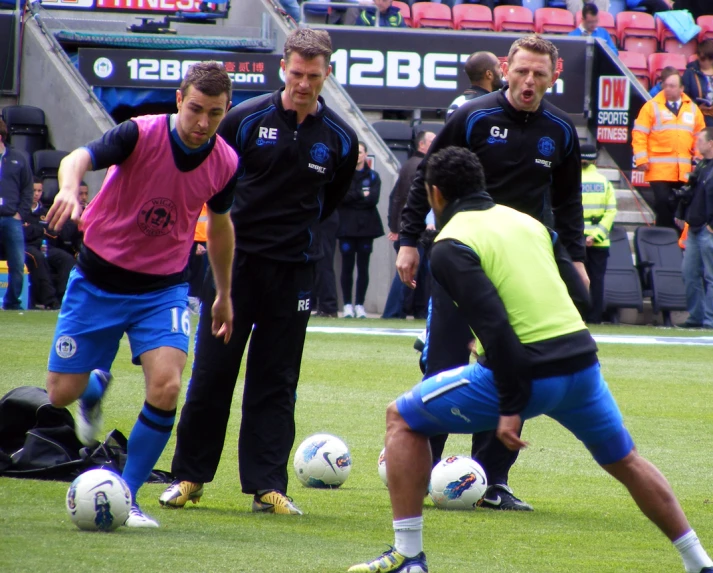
{"points": [[209, 78], [456, 172]]}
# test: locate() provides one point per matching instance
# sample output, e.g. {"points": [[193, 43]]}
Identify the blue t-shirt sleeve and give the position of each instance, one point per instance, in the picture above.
{"points": [[115, 146], [222, 201]]}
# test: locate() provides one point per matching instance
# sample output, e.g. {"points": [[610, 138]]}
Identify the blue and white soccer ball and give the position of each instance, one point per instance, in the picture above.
{"points": [[322, 461], [457, 482], [98, 500]]}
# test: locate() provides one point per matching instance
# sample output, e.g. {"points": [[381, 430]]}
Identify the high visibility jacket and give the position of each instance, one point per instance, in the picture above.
{"points": [[664, 141], [201, 235], [683, 237], [599, 203]]}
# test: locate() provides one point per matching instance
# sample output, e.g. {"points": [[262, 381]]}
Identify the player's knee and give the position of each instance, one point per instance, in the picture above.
{"points": [[59, 390], [163, 391], [394, 420]]}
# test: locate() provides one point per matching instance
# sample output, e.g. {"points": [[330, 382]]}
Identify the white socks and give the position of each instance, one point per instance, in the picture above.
{"points": [[409, 536], [694, 556]]}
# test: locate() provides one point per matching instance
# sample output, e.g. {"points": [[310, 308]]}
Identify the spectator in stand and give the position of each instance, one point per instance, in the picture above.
{"points": [[599, 203], [49, 266], [389, 15], [698, 80], [359, 225], [697, 211], [590, 26], [663, 139], [651, 6], [575, 6], [16, 191], [396, 302], [292, 8], [665, 73]]}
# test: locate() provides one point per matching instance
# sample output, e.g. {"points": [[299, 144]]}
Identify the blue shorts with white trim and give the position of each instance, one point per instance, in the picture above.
{"points": [[465, 400]]}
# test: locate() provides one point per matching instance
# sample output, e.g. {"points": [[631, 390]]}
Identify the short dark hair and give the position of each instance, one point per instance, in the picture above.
{"points": [[709, 133], [36, 179], [3, 131], [364, 146], [705, 48], [478, 64], [209, 78], [84, 184], [535, 44], [456, 171], [669, 71], [589, 9], [308, 43], [421, 137]]}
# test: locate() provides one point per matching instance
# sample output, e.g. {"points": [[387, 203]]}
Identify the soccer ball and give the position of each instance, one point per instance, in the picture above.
{"points": [[323, 461], [382, 466], [457, 482], [98, 500]]}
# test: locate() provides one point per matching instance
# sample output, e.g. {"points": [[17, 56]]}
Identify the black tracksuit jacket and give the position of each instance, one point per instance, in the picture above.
{"points": [[524, 155]]}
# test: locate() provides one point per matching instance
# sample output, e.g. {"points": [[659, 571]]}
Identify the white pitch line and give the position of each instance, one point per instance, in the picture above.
{"points": [[601, 338]]}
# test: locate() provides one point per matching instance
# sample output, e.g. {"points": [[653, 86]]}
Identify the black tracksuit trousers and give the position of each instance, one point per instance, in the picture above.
{"points": [[271, 308], [448, 338]]}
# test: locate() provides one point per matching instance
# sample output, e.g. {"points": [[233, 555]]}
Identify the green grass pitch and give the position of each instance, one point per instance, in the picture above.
{"points": [[583, 520]]}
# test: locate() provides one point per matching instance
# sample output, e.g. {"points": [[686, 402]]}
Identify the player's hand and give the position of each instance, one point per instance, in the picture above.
{"points": [[392, 236], [200, 249], [643, 167], [66, 206], [589, 241], [579, 265], [222, 313], [407, 265], [508, 430]]}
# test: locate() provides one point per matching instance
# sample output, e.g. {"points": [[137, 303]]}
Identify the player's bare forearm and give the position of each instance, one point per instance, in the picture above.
{"points": [[221, 244], [66, 204]]}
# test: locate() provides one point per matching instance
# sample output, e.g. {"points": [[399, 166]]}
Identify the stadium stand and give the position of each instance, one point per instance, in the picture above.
{"points": [[513, 18], [405, 10], [46, 167], [429, 15], [622, 287], [636, 29], [472, 17], [26, 128], [398, 136], [706, 24], [659, 61], [636, 62], [553, 21], [658, 258], [606, 21]]}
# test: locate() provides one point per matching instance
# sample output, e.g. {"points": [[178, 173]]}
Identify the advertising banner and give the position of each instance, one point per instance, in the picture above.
{"points": [[166, 68], [382, 68]]}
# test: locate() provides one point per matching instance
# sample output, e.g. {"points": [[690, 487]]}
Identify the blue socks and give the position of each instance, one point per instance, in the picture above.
{"points": [[147, 440], [94, 390]]}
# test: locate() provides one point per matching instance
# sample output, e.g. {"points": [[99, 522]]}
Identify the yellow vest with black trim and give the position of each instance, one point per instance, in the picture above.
{"points": [[666, 141], [599, 203], [516, 254]]}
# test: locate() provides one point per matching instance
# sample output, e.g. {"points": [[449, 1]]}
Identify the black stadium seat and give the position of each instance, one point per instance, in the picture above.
{"points": [[26, 129], [622, 286], [659, 260], [398, 137], [46, 164]]}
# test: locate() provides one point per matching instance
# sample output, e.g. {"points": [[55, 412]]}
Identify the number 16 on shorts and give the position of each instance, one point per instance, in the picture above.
{"points": [[185, 320]]}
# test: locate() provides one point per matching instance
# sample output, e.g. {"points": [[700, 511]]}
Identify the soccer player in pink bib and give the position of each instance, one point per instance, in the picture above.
{"points": [[130, 275]]}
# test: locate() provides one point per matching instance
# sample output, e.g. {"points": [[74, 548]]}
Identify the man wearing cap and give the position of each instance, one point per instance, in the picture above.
{"points": [[599, 203]]}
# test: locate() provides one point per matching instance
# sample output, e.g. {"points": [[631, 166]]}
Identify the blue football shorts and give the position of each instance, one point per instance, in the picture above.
{"points": [[92, 322], [465, 400]]}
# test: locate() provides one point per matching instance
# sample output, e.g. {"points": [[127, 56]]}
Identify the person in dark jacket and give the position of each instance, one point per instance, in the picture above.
{"points": [[359, 225], [485, 75], [15, 201], [698, 81], [388, 14], [397, 302], [296, 162]]}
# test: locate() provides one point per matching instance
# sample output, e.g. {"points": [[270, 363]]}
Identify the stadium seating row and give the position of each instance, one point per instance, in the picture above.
{"points": [[648, 70]]}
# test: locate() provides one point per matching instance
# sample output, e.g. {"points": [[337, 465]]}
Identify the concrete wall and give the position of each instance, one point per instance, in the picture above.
{"points": [[49, 82]]}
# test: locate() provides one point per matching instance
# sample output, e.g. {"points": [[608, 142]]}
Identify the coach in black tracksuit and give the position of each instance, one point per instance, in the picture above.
{"points": [[525, 155], [293, 171]]}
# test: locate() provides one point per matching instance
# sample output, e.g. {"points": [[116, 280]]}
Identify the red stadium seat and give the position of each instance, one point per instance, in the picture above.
{"points": [[635, 25], [636, 62], [428, 15], [658, 62], [706, 24], [692, 58], [606, 21], [553, 21], [472, 17], [405, 10], [515, 18], [646, 46], [673, 46]]}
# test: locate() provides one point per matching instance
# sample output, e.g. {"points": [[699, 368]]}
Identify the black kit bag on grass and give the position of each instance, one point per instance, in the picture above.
{"points": [[53, 452]]}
